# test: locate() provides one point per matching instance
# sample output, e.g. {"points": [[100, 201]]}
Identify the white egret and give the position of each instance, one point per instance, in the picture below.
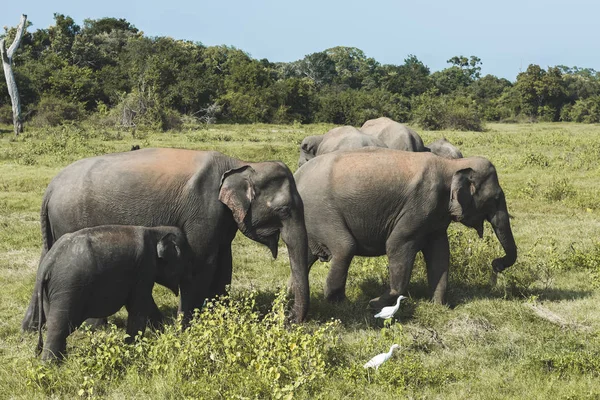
{"points": [[388, 312], [379, 359]]}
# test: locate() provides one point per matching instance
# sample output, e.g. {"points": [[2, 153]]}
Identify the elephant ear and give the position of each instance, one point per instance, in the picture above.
{"points": [[461, 193], [310, 144], [167, 248], [237, 191]]}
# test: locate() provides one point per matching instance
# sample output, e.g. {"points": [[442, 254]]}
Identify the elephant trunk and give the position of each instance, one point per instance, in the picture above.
{"points": [[294, 235], [501, 224]]}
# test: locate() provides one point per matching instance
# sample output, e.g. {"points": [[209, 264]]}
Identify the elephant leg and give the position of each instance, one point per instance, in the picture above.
{"points": [[335, 285], [195, 290], [138, 307], [60, 324], [401, 257], [223, 273], [155, 317], [437, 259]]}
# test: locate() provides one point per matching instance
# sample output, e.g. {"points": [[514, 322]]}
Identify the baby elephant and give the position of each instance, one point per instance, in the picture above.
{"points": [[93, 272]]}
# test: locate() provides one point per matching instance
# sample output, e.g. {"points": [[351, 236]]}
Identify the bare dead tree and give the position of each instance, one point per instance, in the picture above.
{"points": [[7, 57]]}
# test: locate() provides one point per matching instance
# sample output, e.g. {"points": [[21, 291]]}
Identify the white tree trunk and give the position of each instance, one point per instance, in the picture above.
{"points": [[10, 77]]}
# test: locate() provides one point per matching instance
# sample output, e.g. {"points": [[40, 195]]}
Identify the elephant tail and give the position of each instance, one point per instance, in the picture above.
{"points": [[47, 237], [40, 298]]}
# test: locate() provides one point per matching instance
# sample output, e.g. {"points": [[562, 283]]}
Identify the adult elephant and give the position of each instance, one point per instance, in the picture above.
{"points": [[372, 202], [444, 148], [394, 134], [207, 194], [340, 138]]}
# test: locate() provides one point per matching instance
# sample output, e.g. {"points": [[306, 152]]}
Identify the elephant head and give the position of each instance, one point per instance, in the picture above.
{"points": [[309, 148], [265, 203], [475, 196], [443, 148]]}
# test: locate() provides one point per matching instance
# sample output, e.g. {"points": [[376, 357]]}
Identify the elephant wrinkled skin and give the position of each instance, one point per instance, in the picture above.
{"points": [[340, 138], [372, 202], [93, 272], [207, 194]]}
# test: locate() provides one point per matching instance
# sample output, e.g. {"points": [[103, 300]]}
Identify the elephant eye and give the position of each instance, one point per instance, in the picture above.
{"points": [[284, 212]]}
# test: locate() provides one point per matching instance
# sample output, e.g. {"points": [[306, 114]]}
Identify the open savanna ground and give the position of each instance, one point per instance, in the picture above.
{"points": [[535, 334]]}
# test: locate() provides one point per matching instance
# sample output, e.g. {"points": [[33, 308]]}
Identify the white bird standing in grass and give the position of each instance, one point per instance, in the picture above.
{"points": [[379, 359], [388, 312]]}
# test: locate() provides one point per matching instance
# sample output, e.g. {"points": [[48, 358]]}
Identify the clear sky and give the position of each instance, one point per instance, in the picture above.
{"points": [[507, 35]]}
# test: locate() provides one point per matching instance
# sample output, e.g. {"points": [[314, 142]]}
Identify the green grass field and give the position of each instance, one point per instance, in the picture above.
{"points": [[534, 335]]}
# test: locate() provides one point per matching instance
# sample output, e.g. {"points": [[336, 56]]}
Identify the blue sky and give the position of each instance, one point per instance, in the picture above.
{"points": [[507, 35]]}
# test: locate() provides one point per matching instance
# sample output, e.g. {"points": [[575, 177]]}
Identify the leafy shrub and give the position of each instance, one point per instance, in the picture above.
{"points": [[434, 112], [354, 107], [471, 257], [53, 111], [229, 348], [559, 189], [535, 160], [143, 110], [587, 258], [585, 110]]}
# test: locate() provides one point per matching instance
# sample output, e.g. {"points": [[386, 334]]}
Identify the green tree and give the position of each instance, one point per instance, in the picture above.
{"points": [[409, 79], [542, 92]]}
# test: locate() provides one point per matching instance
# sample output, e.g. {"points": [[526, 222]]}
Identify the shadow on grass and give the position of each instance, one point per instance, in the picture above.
{"points": [[355, 313]]}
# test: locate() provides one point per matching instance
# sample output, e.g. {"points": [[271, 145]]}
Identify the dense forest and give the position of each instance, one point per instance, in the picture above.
{"points": [[109, 72]]}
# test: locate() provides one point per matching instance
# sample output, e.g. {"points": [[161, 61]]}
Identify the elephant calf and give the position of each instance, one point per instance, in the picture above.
{"points": [[444, 148], [93, 272]]}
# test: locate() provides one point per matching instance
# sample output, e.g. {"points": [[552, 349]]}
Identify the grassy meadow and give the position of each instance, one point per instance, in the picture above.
{"points": [[534, 335]]}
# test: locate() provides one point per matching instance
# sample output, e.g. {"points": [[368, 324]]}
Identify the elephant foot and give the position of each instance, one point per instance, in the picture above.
{"points": [[382, 301], [336, 296]]}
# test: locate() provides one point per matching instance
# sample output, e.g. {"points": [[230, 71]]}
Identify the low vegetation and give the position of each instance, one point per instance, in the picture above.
{"points": [[534, 334]]}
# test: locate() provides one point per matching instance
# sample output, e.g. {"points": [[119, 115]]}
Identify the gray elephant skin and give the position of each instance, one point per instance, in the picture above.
{"points": [[444, 148], [394, 134], [93, 272], [207, 194], [340, 138], [372, 202]]}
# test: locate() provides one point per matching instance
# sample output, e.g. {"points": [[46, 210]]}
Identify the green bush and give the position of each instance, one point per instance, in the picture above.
{"points": [[229, 349], [143, 110], [354, 107], [585, 110], [53, 111], [434, 112], [559, 189], [535, 160]]}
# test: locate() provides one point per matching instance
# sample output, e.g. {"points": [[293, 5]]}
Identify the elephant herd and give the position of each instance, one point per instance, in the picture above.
{"points": [[369, 192]]}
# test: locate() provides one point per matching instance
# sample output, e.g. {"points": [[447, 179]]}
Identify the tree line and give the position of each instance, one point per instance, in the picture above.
{"points": [[108, 71]]}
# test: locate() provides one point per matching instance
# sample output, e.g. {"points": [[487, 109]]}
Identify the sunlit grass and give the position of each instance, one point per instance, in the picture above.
{"points": [[533, 335]]}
